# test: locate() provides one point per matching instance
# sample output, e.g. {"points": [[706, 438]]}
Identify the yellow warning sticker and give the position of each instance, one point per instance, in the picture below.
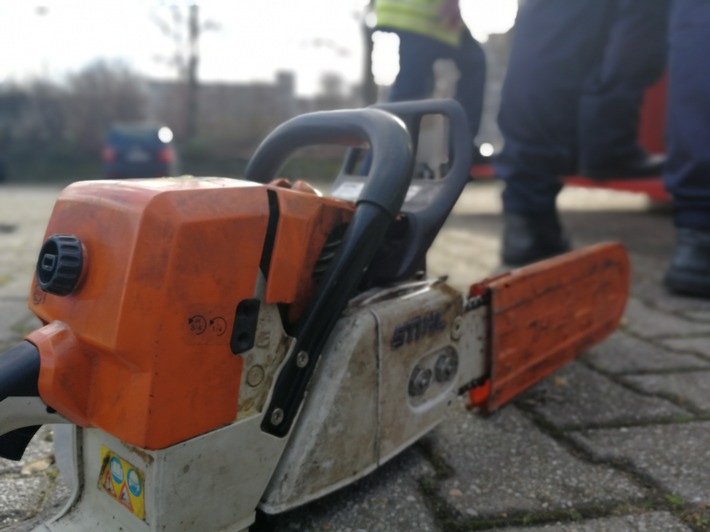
{"points": [[122, 481]]}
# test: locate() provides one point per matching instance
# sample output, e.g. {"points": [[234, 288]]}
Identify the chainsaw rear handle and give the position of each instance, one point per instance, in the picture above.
{"points": [[377, 205], [21, 409], [19, 371], [386, 135]]}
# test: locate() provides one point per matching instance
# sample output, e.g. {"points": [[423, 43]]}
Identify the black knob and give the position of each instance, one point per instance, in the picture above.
{"points": [[59, 264]]}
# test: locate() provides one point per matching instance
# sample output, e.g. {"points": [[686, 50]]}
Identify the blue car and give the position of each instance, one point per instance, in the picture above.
{"points": [[139, 150]]}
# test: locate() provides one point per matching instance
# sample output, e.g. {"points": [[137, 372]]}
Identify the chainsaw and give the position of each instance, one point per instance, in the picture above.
{"points": [[222, 346]]}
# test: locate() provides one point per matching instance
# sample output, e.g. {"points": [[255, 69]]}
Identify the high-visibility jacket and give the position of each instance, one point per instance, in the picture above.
{"points": [[417, 16]]}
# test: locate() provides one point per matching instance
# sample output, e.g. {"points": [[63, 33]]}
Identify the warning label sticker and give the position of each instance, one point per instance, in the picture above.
{"points": [[122, 481]]}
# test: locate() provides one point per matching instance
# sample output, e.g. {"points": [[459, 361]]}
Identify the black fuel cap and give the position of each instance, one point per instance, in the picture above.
{"points": [[59, 264]]}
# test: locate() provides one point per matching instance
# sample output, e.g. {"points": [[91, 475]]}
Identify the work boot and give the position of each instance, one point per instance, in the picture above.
{"points": [[689, 270], [528, 238]]}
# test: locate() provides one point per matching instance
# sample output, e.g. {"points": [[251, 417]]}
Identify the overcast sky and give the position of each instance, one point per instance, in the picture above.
{"points": [[255, 38]]}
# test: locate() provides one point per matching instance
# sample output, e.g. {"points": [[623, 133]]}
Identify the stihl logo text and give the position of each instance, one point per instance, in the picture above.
{"points": [[417, 328]]}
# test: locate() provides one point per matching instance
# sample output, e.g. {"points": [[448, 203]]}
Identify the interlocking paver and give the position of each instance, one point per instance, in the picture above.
{"points": [[699, 345], [623, 353], [688, 387], [661, 521], [578, 396], [649, 322], [676, 456], [505, 464]]}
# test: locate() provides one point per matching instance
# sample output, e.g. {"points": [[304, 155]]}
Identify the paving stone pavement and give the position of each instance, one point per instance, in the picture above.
{"points": [[617, 440]]}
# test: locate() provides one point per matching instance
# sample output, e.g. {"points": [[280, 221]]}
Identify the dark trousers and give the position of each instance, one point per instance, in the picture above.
{"points": [[687, 175], [572, 94], [415, 80]]}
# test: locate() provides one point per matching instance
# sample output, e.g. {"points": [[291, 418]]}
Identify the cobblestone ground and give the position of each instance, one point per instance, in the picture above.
{"points": [[618, 440]]}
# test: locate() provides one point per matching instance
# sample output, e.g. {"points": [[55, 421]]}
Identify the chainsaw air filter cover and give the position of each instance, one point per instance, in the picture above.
{"points": [[140, 347]]}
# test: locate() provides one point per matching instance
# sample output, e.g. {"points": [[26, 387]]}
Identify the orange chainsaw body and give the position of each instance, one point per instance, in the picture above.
{"points": [[166, 264], [189, 319]]}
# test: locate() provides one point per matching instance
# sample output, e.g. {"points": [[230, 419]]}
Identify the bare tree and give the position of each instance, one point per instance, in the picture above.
{"points": [[184, 29], [367, 88], [50, 119], [99, 95], [192, 64]]}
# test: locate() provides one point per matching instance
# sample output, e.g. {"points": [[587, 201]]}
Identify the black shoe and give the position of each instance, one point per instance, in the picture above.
{"points": [[640, 166], [529, 238], [689, 270]]}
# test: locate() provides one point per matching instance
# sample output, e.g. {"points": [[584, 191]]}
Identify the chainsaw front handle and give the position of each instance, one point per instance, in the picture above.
{"points": [[429, 201], [460, 141], [378, 203], [386, 135], [460, 146]]}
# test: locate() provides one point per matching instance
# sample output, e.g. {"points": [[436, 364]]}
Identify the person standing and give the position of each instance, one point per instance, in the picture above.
{"points": [[571, 97], [687, 175], [429, 30]]}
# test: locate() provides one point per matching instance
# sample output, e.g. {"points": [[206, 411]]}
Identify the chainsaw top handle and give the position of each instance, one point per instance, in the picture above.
{"points": [[387, 136], [378, 203], [429, 200]]}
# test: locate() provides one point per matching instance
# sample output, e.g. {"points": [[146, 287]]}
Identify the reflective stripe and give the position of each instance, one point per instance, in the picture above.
{"points": [[418, 16]]}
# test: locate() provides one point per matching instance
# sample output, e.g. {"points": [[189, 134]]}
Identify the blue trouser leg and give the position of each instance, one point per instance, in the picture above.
{"points": [[415, 80], [471, 63], [634, 57], [688, 167], [556, 44]]}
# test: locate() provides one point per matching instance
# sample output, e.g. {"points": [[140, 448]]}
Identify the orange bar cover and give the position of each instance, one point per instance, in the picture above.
{"points": [[545, 315]]}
